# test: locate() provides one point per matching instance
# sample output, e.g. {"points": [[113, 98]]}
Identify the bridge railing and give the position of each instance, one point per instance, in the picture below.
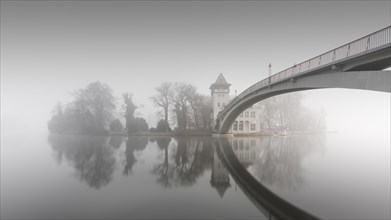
{"points": [[366, 43]]}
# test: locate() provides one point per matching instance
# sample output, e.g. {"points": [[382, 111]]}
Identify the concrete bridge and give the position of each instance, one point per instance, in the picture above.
{"points": [[359, 64]]}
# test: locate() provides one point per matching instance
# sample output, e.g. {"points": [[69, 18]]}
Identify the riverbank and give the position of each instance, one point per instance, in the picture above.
{"points": [[207, 133], [165, 134]]}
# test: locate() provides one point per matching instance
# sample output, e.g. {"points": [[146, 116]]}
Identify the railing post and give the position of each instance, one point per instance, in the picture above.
{"points": [[347, 53], [299, 70]]}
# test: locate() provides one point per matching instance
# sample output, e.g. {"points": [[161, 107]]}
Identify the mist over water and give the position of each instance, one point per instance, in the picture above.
{"points": [[327, 175], [352, 111], [52, 50]]}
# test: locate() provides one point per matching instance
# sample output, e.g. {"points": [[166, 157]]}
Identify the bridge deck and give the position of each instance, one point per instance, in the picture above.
{"points": [[367, 44], [371, 52]]}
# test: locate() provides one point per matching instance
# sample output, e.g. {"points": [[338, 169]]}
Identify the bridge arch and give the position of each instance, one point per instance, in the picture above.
{"points": [[364, 80], [356, 65]]}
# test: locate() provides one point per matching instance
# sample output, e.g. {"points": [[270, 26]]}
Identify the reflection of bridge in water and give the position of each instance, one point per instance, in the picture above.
{"points": [[236, 156], [356, 65], [245, 149]]}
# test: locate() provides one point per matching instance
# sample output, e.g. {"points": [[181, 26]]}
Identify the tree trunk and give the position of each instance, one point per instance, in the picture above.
{"points": [[166, 119]]}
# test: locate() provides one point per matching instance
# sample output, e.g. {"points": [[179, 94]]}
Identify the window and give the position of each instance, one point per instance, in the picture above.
{"points": [[247, 125], [241, 126], [252, 126], [235, 127], [246, 114], [241, 115], [252, 114], [252, 143]]}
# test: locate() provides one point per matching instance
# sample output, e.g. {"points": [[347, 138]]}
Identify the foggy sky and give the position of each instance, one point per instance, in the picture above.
{"points": [[51, 48]]}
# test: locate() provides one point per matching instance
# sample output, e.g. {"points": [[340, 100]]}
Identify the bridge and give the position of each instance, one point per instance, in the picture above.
{"points": [[359, 64]]}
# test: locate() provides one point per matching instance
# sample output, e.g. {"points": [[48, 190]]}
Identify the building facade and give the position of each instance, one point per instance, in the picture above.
{"points": [[248, 122]]}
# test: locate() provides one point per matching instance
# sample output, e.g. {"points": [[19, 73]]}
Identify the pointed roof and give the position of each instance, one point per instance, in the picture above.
{"points": [[221, 187], [220, 82], [221, 190]]}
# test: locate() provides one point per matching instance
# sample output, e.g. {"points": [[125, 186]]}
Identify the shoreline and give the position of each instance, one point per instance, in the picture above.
{"points": [[201, 134]]}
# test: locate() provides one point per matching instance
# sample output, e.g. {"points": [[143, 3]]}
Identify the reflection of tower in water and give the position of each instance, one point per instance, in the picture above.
{"points": [[245, 149], [220, 176]]}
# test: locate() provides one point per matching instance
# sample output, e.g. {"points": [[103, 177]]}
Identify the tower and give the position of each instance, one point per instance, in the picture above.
{"points": [[220, 95]]}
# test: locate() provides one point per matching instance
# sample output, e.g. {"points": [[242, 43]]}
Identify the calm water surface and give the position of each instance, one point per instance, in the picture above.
{"points": [[329, 176]]}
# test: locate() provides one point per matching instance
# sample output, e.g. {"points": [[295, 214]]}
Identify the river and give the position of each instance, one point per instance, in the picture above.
{"points": [[69, 176]]}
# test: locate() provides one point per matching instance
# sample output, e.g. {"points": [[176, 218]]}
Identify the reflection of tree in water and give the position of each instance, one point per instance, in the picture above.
{"points": [[189, 158], [133, 143], [279, 161], [187, 172], [91, 157], [163, 169], [116, 141]]}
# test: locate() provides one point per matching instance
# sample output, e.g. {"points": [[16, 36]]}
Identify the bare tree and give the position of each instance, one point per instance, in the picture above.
{"points": [[206, 112], [181, 95], [195, 102], [201, 110], [162, 99], [95, 104], [287, 112], [190, 109], [269, 112]]}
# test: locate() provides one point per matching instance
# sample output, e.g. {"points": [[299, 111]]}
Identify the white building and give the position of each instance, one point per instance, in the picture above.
{"points": [[247, 122]]}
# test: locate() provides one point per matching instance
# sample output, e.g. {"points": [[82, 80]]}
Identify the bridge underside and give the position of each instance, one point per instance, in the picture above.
{"points": [[364, 80], [373, 60]]}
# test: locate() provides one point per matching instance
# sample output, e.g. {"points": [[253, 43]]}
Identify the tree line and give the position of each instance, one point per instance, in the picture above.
{"points": [[180, 106], [286, 112], [89, 112], [92, 111], [188, 108]]}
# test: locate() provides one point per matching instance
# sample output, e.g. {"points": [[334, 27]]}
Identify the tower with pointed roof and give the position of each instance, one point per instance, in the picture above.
{"points": [[220, 95]]}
